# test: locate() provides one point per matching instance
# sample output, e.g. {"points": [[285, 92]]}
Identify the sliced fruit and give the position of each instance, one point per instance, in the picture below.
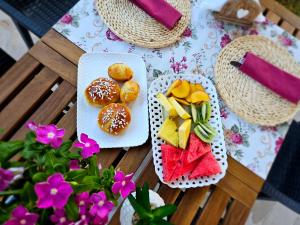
{"points": [[170, 157], [182, 101], [196, 148], [207, 166], [183, 167], [198, 96], [167, 105], [175, 84], [168, 132], [184, 133], [181, 91], [180, 110], [196, 87], [202, 134], [194, 113], [208, 129]]}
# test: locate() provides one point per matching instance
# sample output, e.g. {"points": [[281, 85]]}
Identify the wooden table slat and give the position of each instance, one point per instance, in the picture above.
{"points": [[53, 60], [288, 27], [168, 194], [18, 74], [214, 208], [51, 108], [238, 190], [237, 214], [60, 44], [189, 206], [26, 100], [273, 17]]}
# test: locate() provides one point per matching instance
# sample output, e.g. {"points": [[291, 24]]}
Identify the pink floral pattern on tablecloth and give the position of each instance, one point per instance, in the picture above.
{"points": [[254, 146]]}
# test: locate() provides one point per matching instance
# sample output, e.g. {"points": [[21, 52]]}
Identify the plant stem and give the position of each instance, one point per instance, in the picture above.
{"points": [[12, 192]]}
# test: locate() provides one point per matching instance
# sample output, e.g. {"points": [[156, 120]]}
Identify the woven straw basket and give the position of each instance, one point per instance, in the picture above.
{"points": [[245, 96], [133, 25]]}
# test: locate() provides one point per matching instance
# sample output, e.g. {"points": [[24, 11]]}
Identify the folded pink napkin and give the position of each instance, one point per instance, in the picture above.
{"points": [[284, 84], [160, 10]]}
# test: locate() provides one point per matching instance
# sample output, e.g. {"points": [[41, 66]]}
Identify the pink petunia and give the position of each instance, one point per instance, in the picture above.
{"points": [[53, 193], [123, 184], [101, 206], [59, 217], [83, 201], [6, 176], [31, 125], [21, 216], [74, 164], [50, 135], [89, 146]]}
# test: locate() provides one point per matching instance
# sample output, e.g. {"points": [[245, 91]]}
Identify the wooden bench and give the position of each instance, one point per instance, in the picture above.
{"points": [[42, 87]]}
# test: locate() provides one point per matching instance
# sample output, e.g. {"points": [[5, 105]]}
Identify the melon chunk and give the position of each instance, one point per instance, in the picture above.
{"points": [[184, 133], [179, 109], [167, 105], [168, 132]]}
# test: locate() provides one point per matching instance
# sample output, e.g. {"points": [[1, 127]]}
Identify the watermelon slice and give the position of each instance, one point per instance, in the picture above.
{"points": [[207, 166], [196, 148], [170, 157]]}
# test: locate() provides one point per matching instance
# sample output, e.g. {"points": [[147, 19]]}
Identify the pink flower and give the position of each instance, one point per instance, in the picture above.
{"points": [[224, 113], [111, 36], [225, 40], [66, 19], [253, 32], [100, 221], [55, 192], [88, 145], [6, 176], [50, 134], [101, 206], [21, 216], [278, 144], [83, 201], [286, 41], [236, 139], [74, 164], [84, 220], [31, 125], [187, 32], [123, 184], [59, 217]]}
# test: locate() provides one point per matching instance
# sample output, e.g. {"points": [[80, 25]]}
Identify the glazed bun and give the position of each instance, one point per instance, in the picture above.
{"points": [[114, 118], [129, 91], [102, 91], [120, 72]]}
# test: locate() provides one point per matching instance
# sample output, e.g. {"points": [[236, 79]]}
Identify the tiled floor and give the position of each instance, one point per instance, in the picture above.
{"points": [[263, 212]]}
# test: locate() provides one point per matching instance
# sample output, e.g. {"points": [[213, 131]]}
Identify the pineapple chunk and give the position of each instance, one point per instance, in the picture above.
{"points": [[180, 110], [184, 133], [167, 105], [168, 132]]}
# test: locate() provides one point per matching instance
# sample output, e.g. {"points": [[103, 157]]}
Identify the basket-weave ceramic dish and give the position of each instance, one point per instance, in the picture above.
{"points": [[245, 96], [133, 25]]}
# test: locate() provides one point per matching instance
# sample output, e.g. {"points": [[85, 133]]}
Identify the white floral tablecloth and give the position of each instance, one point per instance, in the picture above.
{"points": [[253, 146]]}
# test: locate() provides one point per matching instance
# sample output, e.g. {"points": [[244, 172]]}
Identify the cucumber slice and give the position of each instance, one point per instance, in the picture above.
{"points": [[194, 113]]}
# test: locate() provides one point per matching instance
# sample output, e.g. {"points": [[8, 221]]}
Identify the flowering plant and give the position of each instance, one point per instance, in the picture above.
{"points": [[57, 182]]}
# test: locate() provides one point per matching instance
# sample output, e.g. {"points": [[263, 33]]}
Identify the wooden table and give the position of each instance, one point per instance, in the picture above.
{"points": [[42, 87]]}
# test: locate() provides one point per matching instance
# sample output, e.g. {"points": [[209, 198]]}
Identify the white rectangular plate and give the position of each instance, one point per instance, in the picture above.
{"points": [[94, 65]]}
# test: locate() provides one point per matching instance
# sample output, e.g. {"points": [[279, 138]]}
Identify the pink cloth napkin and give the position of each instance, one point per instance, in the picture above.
{"points": [[284, 84], [160, 10]]}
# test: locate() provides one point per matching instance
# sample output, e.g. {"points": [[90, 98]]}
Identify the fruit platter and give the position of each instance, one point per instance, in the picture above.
{"points": [[187, 137]]}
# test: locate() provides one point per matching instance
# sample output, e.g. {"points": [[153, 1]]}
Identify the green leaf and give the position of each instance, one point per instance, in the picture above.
{"points": [[164, 211], [30, 137], [160, 222], [93, 169], [143, 214], [145, 197], [74, 155], [88, 183], [45, 216], [76, 175], [39, 177], [50, 159], [72, 210], [28, 194], [9, 149], [63, 150]]}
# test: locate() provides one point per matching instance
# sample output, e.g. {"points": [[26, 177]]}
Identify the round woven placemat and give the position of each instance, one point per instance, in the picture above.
{"points": [[245, 96], [133, 25]]}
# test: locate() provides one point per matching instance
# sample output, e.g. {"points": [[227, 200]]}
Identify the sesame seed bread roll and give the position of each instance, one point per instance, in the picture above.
{"points": [[102, 91], [114, 118], [120, 72]]}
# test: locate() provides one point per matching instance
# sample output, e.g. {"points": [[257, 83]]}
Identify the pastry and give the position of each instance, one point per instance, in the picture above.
{"points": [[129, 91], [114, 118], [120, 72], [102, 91]]}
